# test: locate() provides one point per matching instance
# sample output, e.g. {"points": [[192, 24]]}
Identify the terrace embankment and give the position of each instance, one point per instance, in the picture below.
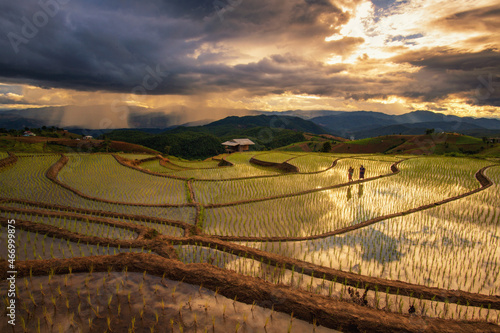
{"points": [[198, 220], [351, 279], [284, 166], [165, 162], [144, 240], [137, 162], [304, 305], [162, 246], [224, 162], [168, 161], [63, 209], [46, 213], [134, 165], [11, 159], [147, 238], [169, 165]]}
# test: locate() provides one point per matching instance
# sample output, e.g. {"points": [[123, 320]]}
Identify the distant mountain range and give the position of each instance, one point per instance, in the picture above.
{"points": [[275, 122], [364, 124], [351, 125]]}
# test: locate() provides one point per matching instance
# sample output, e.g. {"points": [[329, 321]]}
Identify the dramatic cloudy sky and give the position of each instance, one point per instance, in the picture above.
{"points": [[199, 56]]}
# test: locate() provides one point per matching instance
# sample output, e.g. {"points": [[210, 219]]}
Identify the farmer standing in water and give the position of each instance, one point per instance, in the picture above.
{"points": [[362, 172], [350, 172]]}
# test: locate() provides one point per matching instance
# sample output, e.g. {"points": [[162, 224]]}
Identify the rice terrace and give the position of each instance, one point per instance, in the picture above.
{"points": [[272, 241]]}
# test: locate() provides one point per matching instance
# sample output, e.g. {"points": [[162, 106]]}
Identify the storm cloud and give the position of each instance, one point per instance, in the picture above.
{"points": [[252, 49], [87, 45]]}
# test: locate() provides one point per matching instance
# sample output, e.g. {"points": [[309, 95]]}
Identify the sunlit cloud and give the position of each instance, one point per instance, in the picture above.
{"points": [[174, 57]]}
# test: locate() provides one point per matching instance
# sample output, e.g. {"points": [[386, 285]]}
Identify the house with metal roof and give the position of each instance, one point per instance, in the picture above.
{"points": [[237, 145]]}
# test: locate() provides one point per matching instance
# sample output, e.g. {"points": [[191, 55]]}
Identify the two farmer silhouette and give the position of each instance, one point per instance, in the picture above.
{"points": [[350, 173]]}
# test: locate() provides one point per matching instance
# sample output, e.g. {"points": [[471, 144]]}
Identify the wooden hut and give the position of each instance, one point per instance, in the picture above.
{"points": [[237, 145]]}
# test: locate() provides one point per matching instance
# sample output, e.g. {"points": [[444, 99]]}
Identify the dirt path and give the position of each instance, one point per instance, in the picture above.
{"points": [[304, 305]]}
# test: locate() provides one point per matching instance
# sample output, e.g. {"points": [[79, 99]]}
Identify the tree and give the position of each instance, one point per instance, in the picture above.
{"points": [[107, 144], [327, 146], [167, 149], [429, 131]]}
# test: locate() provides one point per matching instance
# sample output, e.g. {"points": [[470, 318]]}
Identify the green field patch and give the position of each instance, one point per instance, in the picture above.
{"points": [[274, 157], [103, 177], [194, 164], [468, 140], [162, 228], [294, 147], [155, 166], [382, 158], [18, 146], [242, 168], [366, 141], [313, 162], [135, 156], [26, 180]]}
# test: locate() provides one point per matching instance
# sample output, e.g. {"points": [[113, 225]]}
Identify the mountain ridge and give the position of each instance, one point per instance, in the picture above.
{"points": [[347, 124]]}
